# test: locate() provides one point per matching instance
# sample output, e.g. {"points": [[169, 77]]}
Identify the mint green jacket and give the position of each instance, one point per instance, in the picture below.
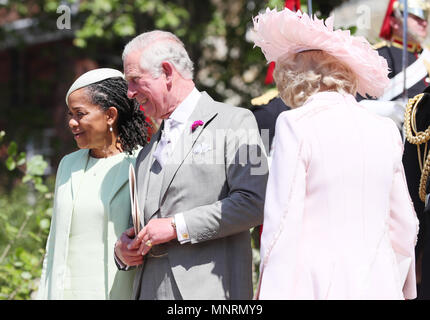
{"points": [[119, 284]]}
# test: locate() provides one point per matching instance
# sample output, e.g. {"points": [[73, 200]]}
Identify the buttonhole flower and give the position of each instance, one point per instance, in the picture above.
{"points": [[196, 124]]}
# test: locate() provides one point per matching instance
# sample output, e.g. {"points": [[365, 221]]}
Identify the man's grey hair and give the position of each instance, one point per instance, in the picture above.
{"points": [[158, 46]]}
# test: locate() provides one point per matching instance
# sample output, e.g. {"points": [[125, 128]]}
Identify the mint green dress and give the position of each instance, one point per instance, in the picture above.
{"points": [[91, 210], [84, 277]]}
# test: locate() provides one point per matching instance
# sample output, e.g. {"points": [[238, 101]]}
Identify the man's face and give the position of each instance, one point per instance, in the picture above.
{"points": [[417, 27], [151, 93]]}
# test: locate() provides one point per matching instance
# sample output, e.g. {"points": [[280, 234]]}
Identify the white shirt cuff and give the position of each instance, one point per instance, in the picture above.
{"points": [[181, 229]]}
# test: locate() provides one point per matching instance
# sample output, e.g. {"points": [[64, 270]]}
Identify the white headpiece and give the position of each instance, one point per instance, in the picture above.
{"points": [[93, 76]]}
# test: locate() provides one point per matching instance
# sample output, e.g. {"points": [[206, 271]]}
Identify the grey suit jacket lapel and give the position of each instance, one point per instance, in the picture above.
{"points": [[188, 138], [143, 165]]}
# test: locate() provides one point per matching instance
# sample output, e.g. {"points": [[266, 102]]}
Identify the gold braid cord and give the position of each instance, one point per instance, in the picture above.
{"points": [[417, 139]]}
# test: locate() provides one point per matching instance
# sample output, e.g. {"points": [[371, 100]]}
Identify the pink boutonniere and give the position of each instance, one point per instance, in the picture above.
{"points": [[196, 124]]}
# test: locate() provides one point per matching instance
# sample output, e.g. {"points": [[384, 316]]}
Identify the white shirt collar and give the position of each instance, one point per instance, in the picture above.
{"points": [[184, 110]]}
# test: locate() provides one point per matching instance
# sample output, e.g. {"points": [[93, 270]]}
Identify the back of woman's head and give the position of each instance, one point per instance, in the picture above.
{"points": [[306, 73], [131, 124]]}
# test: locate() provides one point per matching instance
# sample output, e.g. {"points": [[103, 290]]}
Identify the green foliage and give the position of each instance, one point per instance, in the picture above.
{"points": [[35, 168], [116, 19], [24, 225], [214, 32], [279, 4]]}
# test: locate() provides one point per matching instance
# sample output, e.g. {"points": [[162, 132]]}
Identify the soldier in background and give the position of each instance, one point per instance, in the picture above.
{"points": [[416, 162], [391, 103], [266, 109]]}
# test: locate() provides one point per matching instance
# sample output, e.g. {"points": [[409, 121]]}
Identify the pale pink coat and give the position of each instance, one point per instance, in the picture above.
{"points": [[338, 217]]}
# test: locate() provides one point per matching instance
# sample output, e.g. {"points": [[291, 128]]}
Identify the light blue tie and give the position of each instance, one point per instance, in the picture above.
{"points": [[161, 154], [156, 172]]}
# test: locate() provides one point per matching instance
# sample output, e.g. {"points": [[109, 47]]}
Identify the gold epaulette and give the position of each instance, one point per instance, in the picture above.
{"points": [[381, 44], [265, 98], [414, 136]]}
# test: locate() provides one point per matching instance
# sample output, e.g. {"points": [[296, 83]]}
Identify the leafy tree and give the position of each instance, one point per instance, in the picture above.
{"points": [[24, 225], [214, 32]]}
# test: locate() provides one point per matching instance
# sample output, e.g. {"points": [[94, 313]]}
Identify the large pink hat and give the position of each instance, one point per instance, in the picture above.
{"points": [[286, 32]]}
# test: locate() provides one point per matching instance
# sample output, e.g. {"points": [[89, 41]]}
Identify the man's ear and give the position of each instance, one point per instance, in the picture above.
{"points": [[167, 70], [112, 116], [395, 24]]}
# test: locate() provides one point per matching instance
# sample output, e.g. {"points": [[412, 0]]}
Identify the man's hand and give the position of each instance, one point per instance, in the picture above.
{"points": [[155, 232], [130, 257]]}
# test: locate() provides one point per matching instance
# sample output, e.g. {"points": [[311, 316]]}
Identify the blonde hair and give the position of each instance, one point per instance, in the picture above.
{"points": [[305, 73]]}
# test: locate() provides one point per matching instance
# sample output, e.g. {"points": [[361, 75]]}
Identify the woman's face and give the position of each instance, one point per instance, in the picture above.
{"points": [[87, 121]]}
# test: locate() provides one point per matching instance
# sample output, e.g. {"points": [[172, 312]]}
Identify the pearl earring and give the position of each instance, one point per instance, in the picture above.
{"points": [[110, 129]]}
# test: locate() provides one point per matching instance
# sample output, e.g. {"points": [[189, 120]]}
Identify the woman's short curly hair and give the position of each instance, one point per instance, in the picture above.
{"points": [[305, 73], [131, 124]]}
